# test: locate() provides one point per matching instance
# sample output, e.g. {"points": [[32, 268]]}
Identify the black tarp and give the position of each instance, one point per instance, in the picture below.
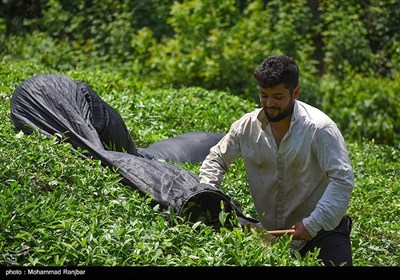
{"points": [[56, 104]]}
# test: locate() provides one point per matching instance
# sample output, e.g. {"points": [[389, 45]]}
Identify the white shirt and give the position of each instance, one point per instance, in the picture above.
{"points": [[308, 177]]}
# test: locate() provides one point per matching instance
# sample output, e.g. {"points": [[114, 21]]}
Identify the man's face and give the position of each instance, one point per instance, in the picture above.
{"points": [[278, 101]]}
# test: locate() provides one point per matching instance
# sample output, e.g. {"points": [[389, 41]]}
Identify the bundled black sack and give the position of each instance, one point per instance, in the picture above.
{"points": [[56, 104]]}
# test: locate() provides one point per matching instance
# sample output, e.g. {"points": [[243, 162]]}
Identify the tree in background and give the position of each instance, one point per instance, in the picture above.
{"points": [[216, 45]]}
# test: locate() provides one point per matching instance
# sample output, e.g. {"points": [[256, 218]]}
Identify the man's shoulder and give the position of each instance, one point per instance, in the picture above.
{"points": [[249, 116], [313, 114], [245, 120]]}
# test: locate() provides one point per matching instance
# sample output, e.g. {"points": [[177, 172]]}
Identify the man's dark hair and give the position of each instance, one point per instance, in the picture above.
{"points": [[277, 69]]}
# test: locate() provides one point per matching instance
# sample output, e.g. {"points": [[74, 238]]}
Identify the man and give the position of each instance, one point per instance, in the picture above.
{"points": [[297, 164]]}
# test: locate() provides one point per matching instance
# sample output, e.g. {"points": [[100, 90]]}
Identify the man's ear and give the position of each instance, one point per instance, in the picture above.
{"points": [[296, 92]]}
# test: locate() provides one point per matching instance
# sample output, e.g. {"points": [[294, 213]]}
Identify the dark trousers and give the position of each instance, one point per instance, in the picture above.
{"points": [[334, 245]]}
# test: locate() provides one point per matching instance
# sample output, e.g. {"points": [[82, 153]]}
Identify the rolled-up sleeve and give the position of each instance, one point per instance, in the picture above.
{"points": [[221, 156], [334, 159]]}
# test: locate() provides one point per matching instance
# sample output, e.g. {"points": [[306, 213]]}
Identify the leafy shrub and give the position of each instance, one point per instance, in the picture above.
{"points": [[374, 205], [63, 210], [58, 209], [364, 107]]}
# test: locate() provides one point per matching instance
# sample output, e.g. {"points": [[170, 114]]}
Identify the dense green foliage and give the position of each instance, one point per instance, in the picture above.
{"points": [[71, 211], [340, 46], [65, 210], [365, 107]]}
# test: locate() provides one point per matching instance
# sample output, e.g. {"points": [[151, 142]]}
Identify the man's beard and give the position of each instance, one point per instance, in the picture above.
{"points": [[283, 114]]}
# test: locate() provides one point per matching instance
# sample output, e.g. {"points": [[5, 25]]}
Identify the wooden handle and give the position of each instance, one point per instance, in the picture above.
{"points": [[281, 232]]}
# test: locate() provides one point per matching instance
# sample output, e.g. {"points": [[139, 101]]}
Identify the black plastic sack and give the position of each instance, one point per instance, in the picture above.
{"points": [[56, 104]]}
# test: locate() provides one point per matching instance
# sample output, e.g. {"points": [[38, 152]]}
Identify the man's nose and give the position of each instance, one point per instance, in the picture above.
{"points": [[269, 102]]}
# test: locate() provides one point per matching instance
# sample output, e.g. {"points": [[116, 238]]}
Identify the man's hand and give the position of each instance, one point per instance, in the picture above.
{"points": [[300, 232], [269, 236]]}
